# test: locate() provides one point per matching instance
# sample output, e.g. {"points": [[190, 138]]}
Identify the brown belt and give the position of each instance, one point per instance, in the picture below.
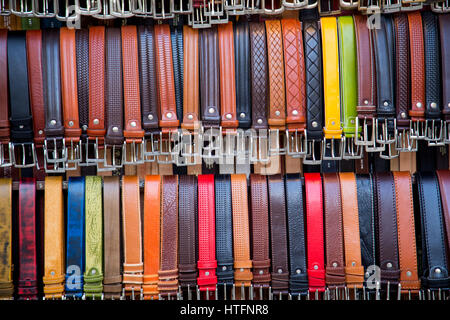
{"points": [[4, 115]]}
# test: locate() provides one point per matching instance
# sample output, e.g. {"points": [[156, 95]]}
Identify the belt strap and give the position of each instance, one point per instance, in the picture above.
{"points": [[354, 270], [224, 230], [227, 76], [4, 114], [260, 230], [444, 185], [6, 281], [152, 226], [82, 60], [113, 87], [132, 105], [387, 228], [27, 284], [298, 281], [53, 239], [258, 72], [241, 231], [112, 280], [164, 71], [409, 277], [69, 86], [277, 99], [294, 68], [191, 78], [314, 232], [188, 222], [434, 257], [242, 64], [334, 234], [444, 32], [96, 126], [132, 237], [93, 275], [147, 72], [207, 263], [75, 237], [277, 207], [176, 36]]}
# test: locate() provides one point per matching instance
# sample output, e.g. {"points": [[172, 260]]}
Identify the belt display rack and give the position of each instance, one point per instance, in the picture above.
{"points": [[224, 150]]}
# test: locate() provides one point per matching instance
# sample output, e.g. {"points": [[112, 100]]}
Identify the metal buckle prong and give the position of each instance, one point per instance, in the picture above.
{"points": [[136, 148], [329, 144], [350, 149], [296, 143], [434, 132], [311, 158], [6, 161]]}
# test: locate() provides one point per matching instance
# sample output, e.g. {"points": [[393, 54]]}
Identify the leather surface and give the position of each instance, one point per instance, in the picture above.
{"points": [[444, 28], [4, 114], [176, 36], [6, 280], [444, 186], [191, 99], [82, 60]]}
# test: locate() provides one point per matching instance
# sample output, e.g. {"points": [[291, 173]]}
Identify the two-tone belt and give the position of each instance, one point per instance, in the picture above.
{"points": [[5, 147], [6, 280]]}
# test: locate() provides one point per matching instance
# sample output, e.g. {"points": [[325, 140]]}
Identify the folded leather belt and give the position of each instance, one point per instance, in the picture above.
{"points": [[93, 275], [176, 36], [207, 263], [188, 234], [444, 32], [152, 237], [112, 279], [27, 284], [132, 238], [277, 207], [314, 233], [242, 64], [334, 234], [4, 113], [260, 231], [6, 281], [298, 280], [409, 277], [53, 239], [434, 257], [224, 230]]}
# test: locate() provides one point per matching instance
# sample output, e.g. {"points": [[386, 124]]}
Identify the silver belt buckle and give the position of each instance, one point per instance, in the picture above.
{"points": [[151, 146], [23, 149], [55, 156], [182, 6], [369, 5], [21, 8], [362, 137], [349, 4], [216, 11], [198, 18], [295, 4], [329, 12], [142, 8], [162, 12], [385, 137], [89, 7], [277, 149], [388, 6], [41, 9], [410, 5], [405, 141], [235, 7], [441, 6], [105, 12], [419, 129], [137, 152], [350, 150], [121, 8], [296, 143], [447, 132], [227, 140], [329, 144], [189, 148], [74, 155], [111, 163], [259, 146], [4, 8], [167, 152], [71, 12], [6, 161], [210, 144], [310, 157], [90, 161], [312, 4], [243, 148], [272, 10], [434, 129], [252, 7]]}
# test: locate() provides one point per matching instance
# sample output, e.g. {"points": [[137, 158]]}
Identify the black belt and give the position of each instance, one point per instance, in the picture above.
{"points": [[242, 68], [298, 281], [82, 51], [444, 28], [176, 36]]}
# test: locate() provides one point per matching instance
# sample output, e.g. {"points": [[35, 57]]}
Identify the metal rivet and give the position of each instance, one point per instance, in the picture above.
{"points": [[190, 116], [242, 115], [353, 263], [261, 272], [169, 115], [408, 273], [224, 268], [52, 273], [115, 129], [437, 270], [211, 110], [228, 116], [335, 264], [133, 124], [207, 273], [366, 101], [448, 105], [259, 121], [352, 121], [314, 124], [93, 271], [70, 123], [316, 267], [84, 127], [21, 126], [433, 105], [367, 274], [150, 117], [419, 105], [277, 113], [96, 121], [40, 132], [389, 265], [333, 123], [52, 122], [298, 271], [241, 269], [280, 270], [386, 103], [295, 112], [403, 115]]}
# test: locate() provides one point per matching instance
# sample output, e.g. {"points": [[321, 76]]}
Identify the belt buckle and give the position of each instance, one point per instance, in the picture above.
{"points": [[388, 6], [310, 157], [296, 143], [151, 146], [295, 4], [216, 11], [259, 146], [73, 154], [331, 145], [89, 160], [71, 12], [112, 164], [121, 8], [211, 150], [385, 137], [405, 141], [410, 5], [228, 138], [182, 6], [142, 8], [161, 12], [42, 9], [21, 8], [419, 129], [105, 12], [91, 7], [362, 135], [447, 132], [188, 148], [235, 7], [6, 161], [350, 150], [369, 5], [272, 9], [252, 7], [55, 155], [434, 129], [198, 18], [137, 152], [243, 146], [4, 8], [277, 149], [328, 11], [167, 153], [441, 6], [349, 4], [242, 292], [312, 4]]}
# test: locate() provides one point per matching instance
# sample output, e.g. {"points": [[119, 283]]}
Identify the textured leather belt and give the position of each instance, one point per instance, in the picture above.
{"points": [[444, 185], [298, 280], [27, 284], [132, 238], [314, 233], [207, 263], [53, 239], [5, 159], [434, 257], [176, 36], [152, 226], [112, 279], [242, 64], [191, 78], [6, 281], [409, 277], [334, 234], [277, 207], [444, 32], [93, 275]]}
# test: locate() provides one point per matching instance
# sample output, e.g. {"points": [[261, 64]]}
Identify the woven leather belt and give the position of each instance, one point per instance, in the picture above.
{"points": [[444, 28], [5, 148], [6, 281], [242, 65], [176, 37]]}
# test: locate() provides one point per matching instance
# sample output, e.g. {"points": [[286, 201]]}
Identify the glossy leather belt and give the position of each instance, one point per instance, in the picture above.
{"points": [[444, 32], [6, 280], [444, 185], [314, 233], [298, 280], [132, 237], [112, 279], [93, 275], [242, 64], [176, 36], [5, 158], [152, 226]]}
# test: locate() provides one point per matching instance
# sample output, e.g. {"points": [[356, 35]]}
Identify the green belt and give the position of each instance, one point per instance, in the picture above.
{"points": [[30, 23], [6, 283]]}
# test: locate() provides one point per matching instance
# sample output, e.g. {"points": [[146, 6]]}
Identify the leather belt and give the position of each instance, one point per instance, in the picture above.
{"points": [[298, 281], [207, 263], [354, 270], [82, 62], [5, 159], [434, 257], [152, 226], [27, 284], [444, 32], [277, 207], [132, 237], [444, 185], [314, 232], [112, 279], [224, 230], [6, 281], [188, 224], [242, 64], [387, 230], [93, 275], [260, 231], [334, 233], [409, 277], [241, 232], [53, 239], [176, 36]]}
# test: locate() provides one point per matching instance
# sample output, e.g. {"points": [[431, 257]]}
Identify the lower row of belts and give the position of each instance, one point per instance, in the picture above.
{"points": [[335, 236]]}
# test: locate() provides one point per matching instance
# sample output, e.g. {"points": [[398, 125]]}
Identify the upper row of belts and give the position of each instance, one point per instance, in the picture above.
{"points": [[74, 93], [202, 13]]}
